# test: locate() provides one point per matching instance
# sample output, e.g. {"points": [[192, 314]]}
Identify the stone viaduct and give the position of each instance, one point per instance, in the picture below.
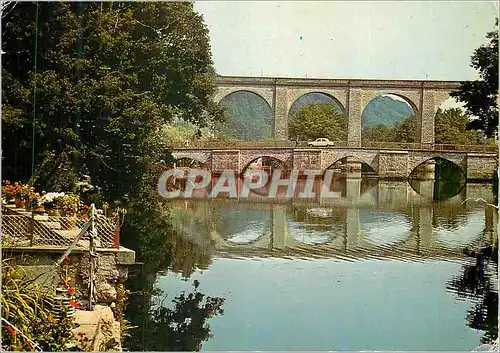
{"points": [[353, 95], [387, 164]]}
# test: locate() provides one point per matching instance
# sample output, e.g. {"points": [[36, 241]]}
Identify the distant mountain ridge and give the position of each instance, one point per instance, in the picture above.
{"points": [[381, 110], [385, 110]]}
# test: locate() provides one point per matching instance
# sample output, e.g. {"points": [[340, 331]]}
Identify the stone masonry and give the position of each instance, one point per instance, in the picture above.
{"points": [[352, 96], [387, 164]]}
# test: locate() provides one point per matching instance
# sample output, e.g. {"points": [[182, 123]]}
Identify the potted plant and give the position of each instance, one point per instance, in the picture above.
{"points": [[50, 202], [22, 193], [68, 206], [8, 192], [33, 202]]}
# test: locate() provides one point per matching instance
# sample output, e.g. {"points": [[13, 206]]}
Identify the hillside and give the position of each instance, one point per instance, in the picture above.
{"points": [[249, 117]]}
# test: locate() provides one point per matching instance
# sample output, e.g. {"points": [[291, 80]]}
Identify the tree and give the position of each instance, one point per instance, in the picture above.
{"points": [[404, 131], [247, 117], [451, 128], [376, 133], [109, 76], [480, 96], [319, 120]]}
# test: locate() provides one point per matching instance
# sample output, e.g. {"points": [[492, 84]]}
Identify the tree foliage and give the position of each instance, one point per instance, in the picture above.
{"points": [[451, 128], [319, 120], [480, 96], [109, 75], [404, 131], [246, 117]]}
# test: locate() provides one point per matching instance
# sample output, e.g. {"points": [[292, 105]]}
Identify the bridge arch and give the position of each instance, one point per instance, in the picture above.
{"points": [[459, 160], [319, 96], [375, 113], [247, 162], [368, 158], [247, 116], [265, 94]]}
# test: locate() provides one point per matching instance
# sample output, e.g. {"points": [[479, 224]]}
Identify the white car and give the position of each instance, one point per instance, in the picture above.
{"points": [[321, 142]]}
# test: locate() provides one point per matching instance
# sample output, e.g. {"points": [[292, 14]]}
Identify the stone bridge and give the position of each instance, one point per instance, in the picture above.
{"points": [[387, 164], [352, 96]]}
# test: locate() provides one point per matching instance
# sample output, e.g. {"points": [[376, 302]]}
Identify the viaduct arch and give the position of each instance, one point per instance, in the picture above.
{"points": [[425, 97]]}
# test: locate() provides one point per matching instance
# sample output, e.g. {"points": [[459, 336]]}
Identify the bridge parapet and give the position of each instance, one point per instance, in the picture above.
{"points": [[271, 144], [388, 164]]}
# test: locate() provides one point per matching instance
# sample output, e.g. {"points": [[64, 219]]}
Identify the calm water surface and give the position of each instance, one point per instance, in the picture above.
{"points": [[381, 267]]}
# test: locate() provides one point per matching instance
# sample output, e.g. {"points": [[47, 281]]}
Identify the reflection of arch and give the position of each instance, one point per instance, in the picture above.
{"points": [[245, 161], [460, 163], [330, 96], [385, 228], [259, 93], [281, 163], [363, 157], [465, 235]]}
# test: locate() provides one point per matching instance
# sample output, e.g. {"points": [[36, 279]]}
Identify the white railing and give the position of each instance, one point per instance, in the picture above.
{"points": [[25, 230]]}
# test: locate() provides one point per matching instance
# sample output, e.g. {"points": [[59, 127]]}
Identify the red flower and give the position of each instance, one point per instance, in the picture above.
{"points": [[67, 258], [85, 216], [74, 304], [71, 290], [11, 330]]}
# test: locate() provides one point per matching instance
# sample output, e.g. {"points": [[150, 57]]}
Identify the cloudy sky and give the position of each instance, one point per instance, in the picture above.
{"points": [[356, 39]]}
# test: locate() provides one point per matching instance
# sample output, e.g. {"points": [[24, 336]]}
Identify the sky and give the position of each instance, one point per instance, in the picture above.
{"points": [[340, 39]]}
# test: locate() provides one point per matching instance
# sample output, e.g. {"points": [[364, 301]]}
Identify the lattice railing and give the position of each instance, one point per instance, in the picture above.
{"points": [[24, 230]]}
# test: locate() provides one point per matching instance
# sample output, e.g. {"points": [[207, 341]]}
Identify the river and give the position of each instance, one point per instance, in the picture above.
{"points": [[380, 267]]}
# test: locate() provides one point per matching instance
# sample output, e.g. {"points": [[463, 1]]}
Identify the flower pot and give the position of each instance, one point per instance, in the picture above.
{"points": [[20, 203], [39, 209]]}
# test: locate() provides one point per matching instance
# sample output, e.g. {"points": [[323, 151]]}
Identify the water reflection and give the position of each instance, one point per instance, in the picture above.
{"points": [[226, 243], [478, 280], [381, 218], [447, 179]]}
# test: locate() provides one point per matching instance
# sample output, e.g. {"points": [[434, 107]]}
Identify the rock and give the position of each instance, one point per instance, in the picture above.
{"points": [[100, 327], [105, 293]]}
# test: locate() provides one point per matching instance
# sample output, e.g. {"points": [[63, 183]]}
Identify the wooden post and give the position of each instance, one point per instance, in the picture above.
{"points": [[116, 234], [93, 255], [32, 227]]}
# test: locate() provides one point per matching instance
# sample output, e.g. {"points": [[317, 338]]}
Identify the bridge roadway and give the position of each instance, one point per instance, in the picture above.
{"points": [[388, 160], [276, 237]]}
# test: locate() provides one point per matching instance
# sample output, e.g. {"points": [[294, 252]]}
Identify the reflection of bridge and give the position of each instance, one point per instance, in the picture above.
{"points": [[390, 164], [352, 96], [349, 236]]}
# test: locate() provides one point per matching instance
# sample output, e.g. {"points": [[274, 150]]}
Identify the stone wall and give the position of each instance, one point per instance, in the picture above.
{"points": [[225, 160], [112, 268], [393, 164], [481, 166], [387, 164], [307, 160]]}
